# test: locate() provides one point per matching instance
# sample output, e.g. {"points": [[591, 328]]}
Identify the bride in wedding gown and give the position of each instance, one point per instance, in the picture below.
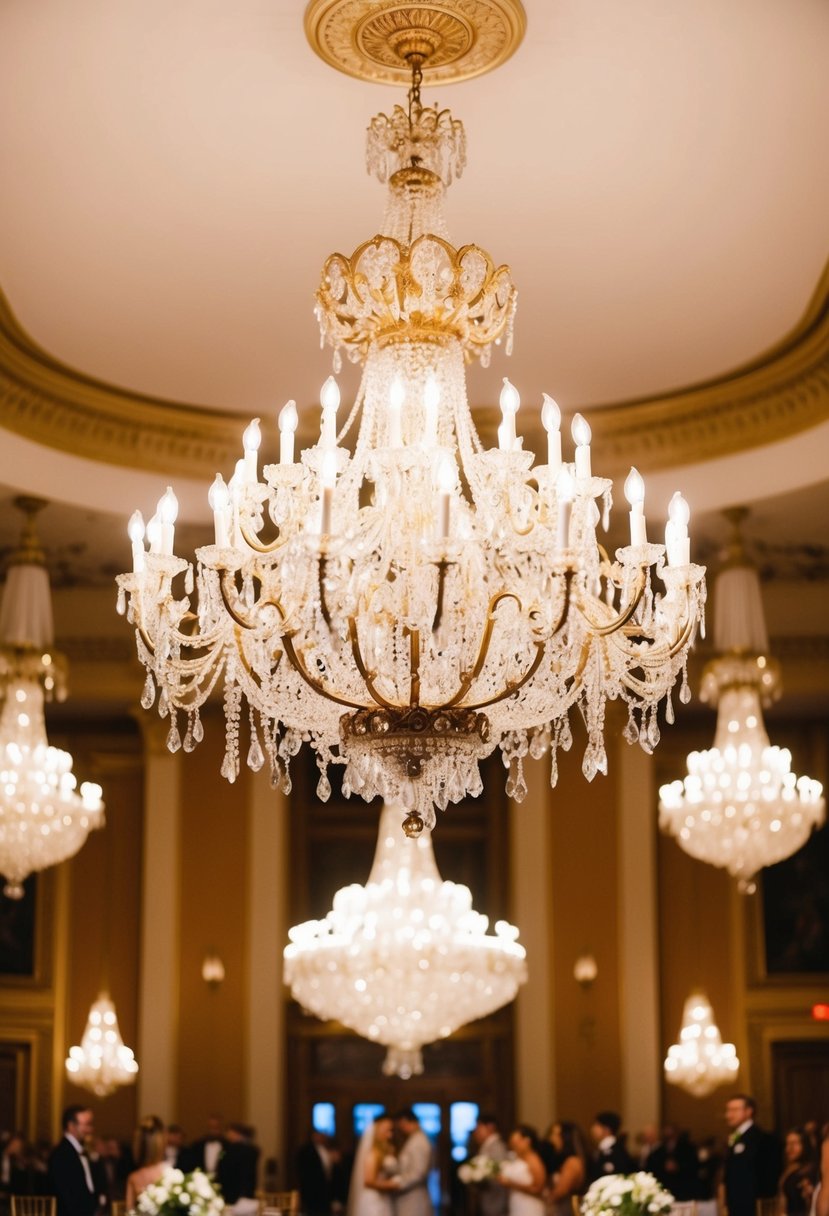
{"points": [[525, 1175], [374, 1179]]}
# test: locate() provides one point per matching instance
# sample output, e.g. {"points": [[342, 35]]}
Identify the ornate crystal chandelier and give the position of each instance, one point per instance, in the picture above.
{"points": [[404, 960], [101, 1063], [411, 600], [43, 818], [700, 1061], [741, 806]]}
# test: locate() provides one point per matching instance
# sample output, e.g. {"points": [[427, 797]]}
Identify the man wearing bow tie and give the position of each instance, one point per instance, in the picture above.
{"points": [[71, 1172], [752, 1163]]}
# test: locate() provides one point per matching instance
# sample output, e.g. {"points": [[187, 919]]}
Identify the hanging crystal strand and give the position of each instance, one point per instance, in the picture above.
{"points": [[189, 742], [631, 731], [255, 757], [173, 737], [685, 688], [232, 705], [148, 694]]}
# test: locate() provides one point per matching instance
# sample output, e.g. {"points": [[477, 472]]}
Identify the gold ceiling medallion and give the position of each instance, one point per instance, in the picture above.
{"points": [[454, 40]]}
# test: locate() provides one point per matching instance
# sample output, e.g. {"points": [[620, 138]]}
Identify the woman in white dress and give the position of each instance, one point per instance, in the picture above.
{"points": [[376, 1168], [525, 1175]]}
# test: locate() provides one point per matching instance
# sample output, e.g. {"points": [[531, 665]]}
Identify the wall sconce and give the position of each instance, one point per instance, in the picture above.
{"points": [[213, 970], [585, 970]]}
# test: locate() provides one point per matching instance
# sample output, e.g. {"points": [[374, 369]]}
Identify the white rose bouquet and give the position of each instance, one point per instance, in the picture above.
{"points": [[626, 1195], [478, 1169], [178, 1194]]}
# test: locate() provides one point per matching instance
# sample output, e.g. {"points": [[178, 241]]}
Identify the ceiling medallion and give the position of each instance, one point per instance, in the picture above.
{"points": [[377, 41]]}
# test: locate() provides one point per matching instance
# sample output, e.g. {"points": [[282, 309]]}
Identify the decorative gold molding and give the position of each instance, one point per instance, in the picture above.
{"points": [[776, 395], [375, 41]]}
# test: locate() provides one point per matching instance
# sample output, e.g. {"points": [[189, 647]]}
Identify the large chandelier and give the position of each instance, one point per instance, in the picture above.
{"points": [[405, 959], [700, 1061], [741, 806], [401, 597], [101, 1062], [44, 819]]}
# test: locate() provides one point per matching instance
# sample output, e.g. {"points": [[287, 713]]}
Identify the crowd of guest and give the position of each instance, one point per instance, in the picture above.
{"points": [[731, 1175], [88, 1173], [531, 1175]]}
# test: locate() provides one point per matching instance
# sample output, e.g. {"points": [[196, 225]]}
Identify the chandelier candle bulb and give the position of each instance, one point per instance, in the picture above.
{"points": [[330, 402], [288, 422], [635, 494], [328, 479], [431, 401], [446, 479], [167, 514], [677, 542], [565, 489], [551, 421], [510, 401], [580, 430], [397, 396], [135, 531], [154, 533], [219, 501], [251, 440]]}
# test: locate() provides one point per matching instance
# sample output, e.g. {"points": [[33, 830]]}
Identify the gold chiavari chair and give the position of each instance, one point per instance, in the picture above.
{"points": [[768, 1207], [684, 1208], [278, 1203], [575, 1203], [33, 1205], [118, 1208]]}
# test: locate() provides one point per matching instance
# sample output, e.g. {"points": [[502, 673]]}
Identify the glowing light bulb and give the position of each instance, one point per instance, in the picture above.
{"points": [[288, 423], [635, 494], [580, 430]]}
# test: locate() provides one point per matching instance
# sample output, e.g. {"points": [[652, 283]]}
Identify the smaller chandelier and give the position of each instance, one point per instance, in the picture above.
{"points": [[44, 819], [101, 1063], [404, 960], [741, 806], [700, 1061]]}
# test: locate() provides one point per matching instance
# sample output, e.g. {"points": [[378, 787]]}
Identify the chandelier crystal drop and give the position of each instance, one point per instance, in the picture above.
{"points": [[101, 1063], [405, 959], [700, 1061], [44, 818], [740, 805], [409, 600]]}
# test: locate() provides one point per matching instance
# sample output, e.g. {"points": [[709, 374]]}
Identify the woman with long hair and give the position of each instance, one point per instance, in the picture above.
{"points": [[148, 1145], [374, 1178], [799, 1176], [525, 1175], [570, 1169]]}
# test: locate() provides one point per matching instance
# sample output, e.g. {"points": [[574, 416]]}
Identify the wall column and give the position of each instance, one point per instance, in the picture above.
{"points": [[638, 938], [530, 855], [268, 870], [159, 953]]}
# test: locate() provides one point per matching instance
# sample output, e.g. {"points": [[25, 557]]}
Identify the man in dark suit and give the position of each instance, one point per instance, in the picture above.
{"points": [[315, 1172], [236, 1171], [71, 1172], [204, 1154], [610, 1155], [752, 1162]]}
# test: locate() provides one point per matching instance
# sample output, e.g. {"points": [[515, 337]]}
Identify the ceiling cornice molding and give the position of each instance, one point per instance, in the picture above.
{"points": [[779, 394]]}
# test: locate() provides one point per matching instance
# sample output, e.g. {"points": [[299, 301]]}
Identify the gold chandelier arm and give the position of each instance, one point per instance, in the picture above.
{"points": [[515, 685], [368, 676], [322, 565], [414, 667], [235, 615], [254, 543], [626, 613], [468, 678], [298, 664]]}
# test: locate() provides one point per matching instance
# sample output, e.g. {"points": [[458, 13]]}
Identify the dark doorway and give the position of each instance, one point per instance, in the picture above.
{"points": [[801, 1082]]}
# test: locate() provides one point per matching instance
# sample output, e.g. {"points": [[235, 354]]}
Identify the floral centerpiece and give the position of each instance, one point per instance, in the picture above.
{"points": [[626, 1195], [177, 1194], [479, 1169]]}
